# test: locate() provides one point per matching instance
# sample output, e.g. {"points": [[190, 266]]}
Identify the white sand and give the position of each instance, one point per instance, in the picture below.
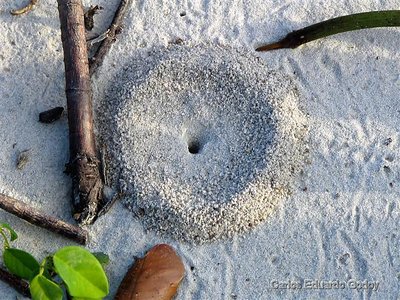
{"points": [[342, 221]]}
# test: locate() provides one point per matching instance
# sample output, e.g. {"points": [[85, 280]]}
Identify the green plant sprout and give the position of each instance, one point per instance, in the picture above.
{"points": [[72, 269]]}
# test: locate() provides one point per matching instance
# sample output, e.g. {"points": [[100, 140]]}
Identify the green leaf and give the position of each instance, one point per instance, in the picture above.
{"points": [[75, 298], [21, 263], [81, 272], [102, 258], [372, 19], [13, 234], [42, 288]]}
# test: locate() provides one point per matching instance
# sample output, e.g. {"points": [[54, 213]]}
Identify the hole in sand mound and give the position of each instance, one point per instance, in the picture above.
{"points": [[196, 135], [222, 106], [194, 146]]}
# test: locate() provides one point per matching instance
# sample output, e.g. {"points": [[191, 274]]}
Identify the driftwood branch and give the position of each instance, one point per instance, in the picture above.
{"points": [[84, 166], [17, 283], [113, 30], [40, 219]]}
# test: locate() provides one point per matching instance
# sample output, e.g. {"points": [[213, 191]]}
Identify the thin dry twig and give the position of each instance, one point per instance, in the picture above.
{"points": [[17, 283], [114, 29], [97, 39], [29, 7], [40, 219]]}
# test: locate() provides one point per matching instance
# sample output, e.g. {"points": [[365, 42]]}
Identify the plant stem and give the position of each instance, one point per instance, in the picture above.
{"points": [[388, 18], [114, 29], [17, 283], [84, 166], [40, 219], [6, 243]]}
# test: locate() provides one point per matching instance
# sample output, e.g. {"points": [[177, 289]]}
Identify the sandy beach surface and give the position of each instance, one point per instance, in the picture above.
{"points": [[336, 237]]}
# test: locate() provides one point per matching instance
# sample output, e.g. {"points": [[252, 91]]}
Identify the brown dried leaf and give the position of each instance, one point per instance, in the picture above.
{"points": [[156, 276]]}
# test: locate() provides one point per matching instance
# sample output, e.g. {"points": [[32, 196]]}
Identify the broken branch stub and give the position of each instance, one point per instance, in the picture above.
{"points": [[84, 166]]}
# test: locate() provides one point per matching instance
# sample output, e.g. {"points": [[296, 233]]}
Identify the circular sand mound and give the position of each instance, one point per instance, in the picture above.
{"points": [[205, 140]]}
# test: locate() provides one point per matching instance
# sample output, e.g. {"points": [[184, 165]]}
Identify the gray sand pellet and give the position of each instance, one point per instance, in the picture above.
{"points": [[204, 139]]}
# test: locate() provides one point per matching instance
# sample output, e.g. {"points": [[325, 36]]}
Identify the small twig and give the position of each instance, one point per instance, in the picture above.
{"points": [[97, 39], [111, 196], [103, 156], [40, 219], [373, 19], [17, 283], [114, 29], [29, 7]]}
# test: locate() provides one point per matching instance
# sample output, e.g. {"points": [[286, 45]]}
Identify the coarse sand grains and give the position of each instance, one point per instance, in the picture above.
{"points": [[204, 140]]}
